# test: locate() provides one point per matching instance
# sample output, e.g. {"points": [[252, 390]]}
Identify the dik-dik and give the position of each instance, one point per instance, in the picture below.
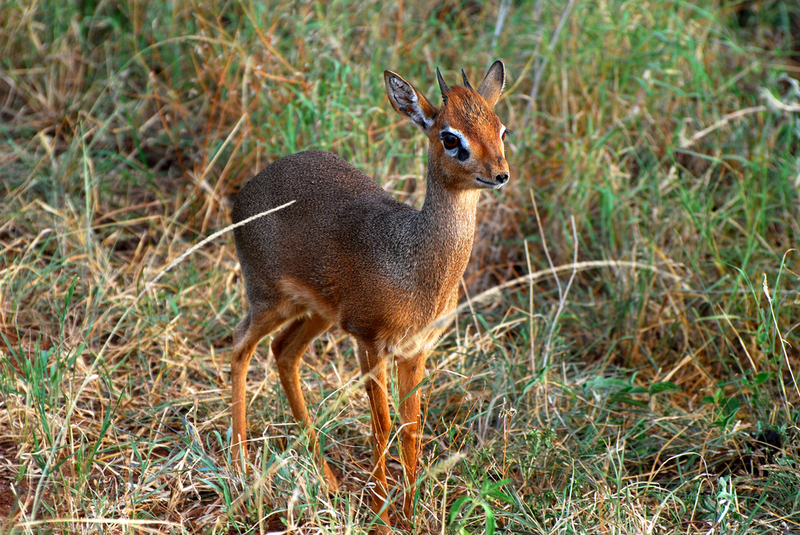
{"points": [[347, 252]]}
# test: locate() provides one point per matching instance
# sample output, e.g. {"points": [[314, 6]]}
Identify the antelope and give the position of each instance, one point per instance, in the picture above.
{"points": [[349, 253]]}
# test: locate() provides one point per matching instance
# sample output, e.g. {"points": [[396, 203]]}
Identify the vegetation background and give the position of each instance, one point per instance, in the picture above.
{"points": [[649, 388]]}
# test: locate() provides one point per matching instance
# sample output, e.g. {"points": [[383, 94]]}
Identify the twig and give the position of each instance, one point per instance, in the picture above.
{"points": [[719, 124], [562, 297], [498, 27], [531, 278], [544, 246], [91, 376], [530, 309], [781, 339], [772, 104], [776, 105], [217, 234], [540, 68], [491, 293], [561, 294]]}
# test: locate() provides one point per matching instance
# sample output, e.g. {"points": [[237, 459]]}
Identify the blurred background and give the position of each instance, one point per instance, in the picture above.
{"points": [[636, 372]]}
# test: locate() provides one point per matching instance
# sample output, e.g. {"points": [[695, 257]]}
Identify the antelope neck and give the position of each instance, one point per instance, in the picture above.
{"points": [[447, 228]]}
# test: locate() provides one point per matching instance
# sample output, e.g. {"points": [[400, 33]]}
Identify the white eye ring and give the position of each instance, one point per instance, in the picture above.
{"points": [[462, 141]]}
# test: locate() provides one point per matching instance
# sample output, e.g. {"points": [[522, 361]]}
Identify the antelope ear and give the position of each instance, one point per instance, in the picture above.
{"points": [[409, 102], [492, 86]]}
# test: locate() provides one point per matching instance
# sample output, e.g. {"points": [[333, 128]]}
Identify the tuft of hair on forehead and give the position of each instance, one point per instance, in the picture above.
{"points": [[468, 107]]}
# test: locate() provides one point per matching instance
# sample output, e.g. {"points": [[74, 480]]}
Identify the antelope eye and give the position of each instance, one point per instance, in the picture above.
{"points": [[449, 141], [506, 132]]}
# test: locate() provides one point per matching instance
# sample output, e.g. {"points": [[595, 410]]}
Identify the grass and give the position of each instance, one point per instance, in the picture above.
{"points": [[651, 388]]}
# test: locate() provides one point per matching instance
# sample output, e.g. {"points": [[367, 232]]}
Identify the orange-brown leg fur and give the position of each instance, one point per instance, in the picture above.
{"points": [[288, 347], [373, 367], [246, 336], [409, 374]]}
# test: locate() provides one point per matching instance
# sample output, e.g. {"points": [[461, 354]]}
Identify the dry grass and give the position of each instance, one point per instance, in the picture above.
{"points": [[650, 389]]}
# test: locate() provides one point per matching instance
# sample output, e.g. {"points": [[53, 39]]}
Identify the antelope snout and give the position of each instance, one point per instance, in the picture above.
{"points": [[498, 172], [497, 182], [495, 177]]}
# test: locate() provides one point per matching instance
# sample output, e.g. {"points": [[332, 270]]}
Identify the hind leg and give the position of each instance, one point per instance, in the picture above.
{"points": [[288, 347], [248, 333]]}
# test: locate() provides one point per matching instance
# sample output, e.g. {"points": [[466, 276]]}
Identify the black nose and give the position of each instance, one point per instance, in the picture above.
{"points": [[501, 179]]}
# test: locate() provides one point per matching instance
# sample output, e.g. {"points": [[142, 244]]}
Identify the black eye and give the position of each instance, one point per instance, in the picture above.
{"points": [[449, 141], [506, 132]]}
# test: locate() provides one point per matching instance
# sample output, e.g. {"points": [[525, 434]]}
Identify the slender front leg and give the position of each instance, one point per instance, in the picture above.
{"points": [[410, 372], [373, 367]]}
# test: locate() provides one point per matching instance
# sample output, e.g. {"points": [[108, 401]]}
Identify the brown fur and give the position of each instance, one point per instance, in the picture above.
{"points": [[346, 252]]}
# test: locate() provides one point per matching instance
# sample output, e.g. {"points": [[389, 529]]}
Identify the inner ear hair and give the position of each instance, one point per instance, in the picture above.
{"points": [[409, 102]]}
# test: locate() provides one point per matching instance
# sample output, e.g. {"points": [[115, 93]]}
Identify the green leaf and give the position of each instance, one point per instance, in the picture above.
{"points": [[490, 523], [70, 293], [732, 406], [762, 378], [664, 386], [629, 401], [493, 490], [456, 508]]}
